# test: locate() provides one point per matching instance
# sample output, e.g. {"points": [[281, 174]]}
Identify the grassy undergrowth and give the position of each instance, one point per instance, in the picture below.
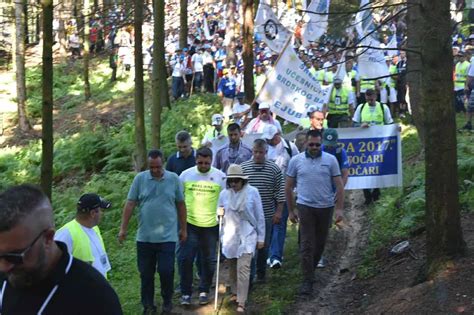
{"points": [[400, 211], [99, 159]]}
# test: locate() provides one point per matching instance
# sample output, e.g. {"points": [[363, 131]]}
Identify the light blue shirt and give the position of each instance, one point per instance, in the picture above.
{"points": [[157, 198], [314, 179]]}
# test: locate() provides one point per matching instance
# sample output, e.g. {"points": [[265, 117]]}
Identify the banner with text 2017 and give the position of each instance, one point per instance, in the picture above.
{"points": [[375, 156]]}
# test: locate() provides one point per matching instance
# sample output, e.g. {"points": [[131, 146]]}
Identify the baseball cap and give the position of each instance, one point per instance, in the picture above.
{"points": [[337, 80], [264, 106], [217, 119], [88, 202], [330, 137], [269, 131], [225, 71], [240, 95], [471, 36]]}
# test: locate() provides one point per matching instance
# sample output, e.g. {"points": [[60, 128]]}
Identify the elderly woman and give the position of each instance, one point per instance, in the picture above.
{"points": [[243, 230]]}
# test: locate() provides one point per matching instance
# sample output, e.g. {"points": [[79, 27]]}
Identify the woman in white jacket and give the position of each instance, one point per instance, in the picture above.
{"points": [[243, 230]]}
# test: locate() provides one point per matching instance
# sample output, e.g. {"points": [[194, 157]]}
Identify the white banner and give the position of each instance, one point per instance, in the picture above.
{"points": [[375, 156], [269, 28], [205, 27], [291, 89], [371, 62], [315, 24]]}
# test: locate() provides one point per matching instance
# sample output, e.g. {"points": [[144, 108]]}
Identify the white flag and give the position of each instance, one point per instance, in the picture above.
{"points": [[371, 62], [291, 89], [205, 26], [315, 24], [270, 30]]}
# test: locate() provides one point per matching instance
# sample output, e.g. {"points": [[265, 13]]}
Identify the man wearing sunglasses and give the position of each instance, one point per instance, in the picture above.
{"points": [[37, 274], [314, 173], [82, 235]]}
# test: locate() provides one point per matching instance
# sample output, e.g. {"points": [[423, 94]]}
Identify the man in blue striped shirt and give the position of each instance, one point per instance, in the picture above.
{"points": [[267, 177]]}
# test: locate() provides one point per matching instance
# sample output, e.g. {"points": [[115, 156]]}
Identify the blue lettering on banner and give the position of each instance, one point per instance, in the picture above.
{"points": [[372, 156]]}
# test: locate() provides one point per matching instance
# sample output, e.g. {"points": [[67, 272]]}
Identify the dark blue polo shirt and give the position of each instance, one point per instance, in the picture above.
{"points": [[177, 163]]}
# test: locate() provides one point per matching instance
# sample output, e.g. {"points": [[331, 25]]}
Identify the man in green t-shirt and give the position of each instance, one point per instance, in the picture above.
{"points": [[202, 186]]}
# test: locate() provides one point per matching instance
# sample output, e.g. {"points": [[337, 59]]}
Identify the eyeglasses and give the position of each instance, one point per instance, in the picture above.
{"points": [[314, 144], [19, 258]]}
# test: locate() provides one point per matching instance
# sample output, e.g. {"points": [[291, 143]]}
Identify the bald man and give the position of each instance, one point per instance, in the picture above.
{"points": [[37, 274]]}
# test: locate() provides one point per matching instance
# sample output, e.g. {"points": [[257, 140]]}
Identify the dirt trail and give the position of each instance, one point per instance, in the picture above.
{"points": [[343, 252]]}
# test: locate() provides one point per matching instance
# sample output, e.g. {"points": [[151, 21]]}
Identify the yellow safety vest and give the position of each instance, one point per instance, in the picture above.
{"points": [[330, 77], [320, 76], [82, 247], [375, 117], [393, 70], [348, 80], [461, 74], [366, 84], [339, 104]]}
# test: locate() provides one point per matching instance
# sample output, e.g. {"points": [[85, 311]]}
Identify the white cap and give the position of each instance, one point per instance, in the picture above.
{"points": [[217, 119], [264, 106], [269, 131]]}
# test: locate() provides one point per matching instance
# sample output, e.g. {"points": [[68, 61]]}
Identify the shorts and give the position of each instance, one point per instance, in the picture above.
{"points": [[470, 104], [390, 97]]}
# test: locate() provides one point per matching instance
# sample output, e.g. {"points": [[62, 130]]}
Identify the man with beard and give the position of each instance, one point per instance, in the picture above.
{"points": [[37, 274]]}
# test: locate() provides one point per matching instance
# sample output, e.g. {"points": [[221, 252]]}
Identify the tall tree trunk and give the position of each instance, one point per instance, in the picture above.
{"points": [[230, 33], [160, 96], [86, 10], [47, 109], [140, 138], [23, 122], [443, 226], [183, 24], [414, 68], [247, 54]]}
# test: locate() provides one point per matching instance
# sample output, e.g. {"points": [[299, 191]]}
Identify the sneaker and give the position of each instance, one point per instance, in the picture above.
{"points": [[203, 299], [275, 264], [321, 263], [306, 288], [269, 262], [186, 300]]}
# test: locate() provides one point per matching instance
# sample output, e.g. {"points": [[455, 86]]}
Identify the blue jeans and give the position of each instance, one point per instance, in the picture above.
{"points": [[278, 236], [177, 87], [198, 81], [204, 241], [152, 257], [259, 261]]}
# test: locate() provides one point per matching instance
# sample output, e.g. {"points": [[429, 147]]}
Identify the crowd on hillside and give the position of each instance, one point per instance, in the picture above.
{"points": [[231, 198]]}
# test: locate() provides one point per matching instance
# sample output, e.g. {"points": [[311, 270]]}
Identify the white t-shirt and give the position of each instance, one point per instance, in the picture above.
{"points": [[197, 61], [101, 260], [240, 108], [178, 70]]}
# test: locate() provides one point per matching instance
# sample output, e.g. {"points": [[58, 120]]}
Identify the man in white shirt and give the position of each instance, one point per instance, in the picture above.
{"points": [[197, 63], [82, 235], [241, 111], [178, 76], [264, 118]]}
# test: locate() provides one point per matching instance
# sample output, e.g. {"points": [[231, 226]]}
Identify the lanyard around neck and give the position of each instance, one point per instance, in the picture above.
{"points": [[48, 298]]}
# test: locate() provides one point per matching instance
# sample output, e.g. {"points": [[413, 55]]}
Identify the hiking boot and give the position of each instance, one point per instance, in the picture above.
{"points": [[149, 310], [306, 288], [186, 300], [203, 298], [167, 308]]}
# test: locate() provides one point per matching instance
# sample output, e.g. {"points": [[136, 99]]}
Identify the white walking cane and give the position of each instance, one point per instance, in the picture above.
{"points": [[220, 213]]}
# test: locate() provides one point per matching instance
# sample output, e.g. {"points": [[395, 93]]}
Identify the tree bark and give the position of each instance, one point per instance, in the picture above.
{"points": [[443, 226], [160, 96], [23, 122], [414, 68], [47, 94], [140, 138], [86, 10], [247, 54], [183, 24], [230, 33]]}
